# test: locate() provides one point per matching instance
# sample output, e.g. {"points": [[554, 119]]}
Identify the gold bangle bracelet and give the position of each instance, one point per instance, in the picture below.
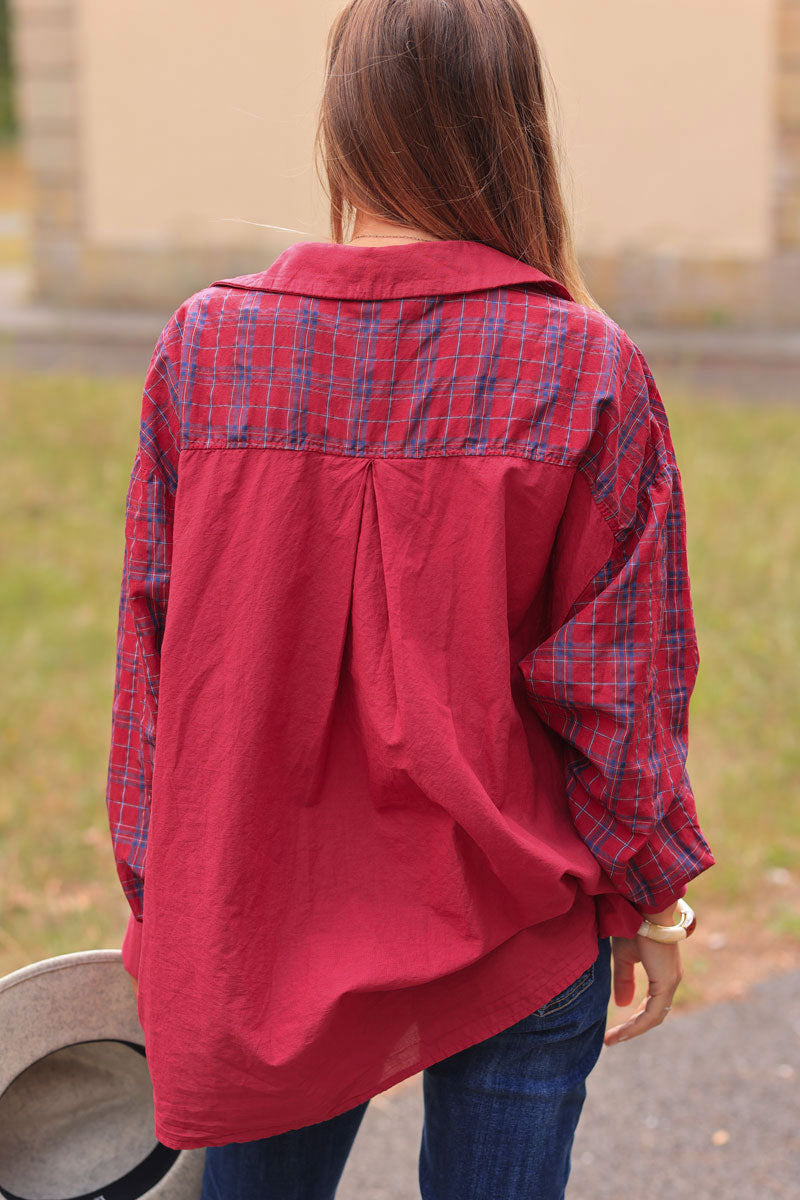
{"points": [[670, 933]]}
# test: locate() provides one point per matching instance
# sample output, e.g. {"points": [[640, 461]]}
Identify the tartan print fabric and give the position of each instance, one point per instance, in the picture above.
{"points": [[615, 678], [474, 358], [144, 593]]}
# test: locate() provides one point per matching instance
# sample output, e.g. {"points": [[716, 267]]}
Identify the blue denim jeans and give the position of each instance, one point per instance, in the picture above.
{"points": [[500, 1116]]}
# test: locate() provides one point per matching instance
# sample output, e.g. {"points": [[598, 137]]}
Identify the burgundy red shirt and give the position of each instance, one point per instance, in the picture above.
{"points": [[404, 660]]}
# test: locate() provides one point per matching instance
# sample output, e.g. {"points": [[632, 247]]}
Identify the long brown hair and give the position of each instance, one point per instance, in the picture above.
{"points": [[434, 114]]}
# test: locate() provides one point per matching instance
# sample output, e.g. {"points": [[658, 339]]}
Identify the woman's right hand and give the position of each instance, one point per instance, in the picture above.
{"points": [[662, 965]]}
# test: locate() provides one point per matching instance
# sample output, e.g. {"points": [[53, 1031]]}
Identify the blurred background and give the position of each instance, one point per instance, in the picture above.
{"points": [[150, 148]]}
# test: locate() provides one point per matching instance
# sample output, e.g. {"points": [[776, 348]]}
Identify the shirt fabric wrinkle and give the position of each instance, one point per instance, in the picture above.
{"points": [[404, 655]]}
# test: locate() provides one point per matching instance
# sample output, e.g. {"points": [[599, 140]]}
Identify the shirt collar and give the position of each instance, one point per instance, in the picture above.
{"points": [[432, 268]]}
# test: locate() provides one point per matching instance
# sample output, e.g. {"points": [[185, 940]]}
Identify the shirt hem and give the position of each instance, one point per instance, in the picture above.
{"points": [[511, 1007]]}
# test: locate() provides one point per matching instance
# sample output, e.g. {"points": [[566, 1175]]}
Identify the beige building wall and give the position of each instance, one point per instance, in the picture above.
{"points": [[197, 114], [166, 134], [667, 115]]}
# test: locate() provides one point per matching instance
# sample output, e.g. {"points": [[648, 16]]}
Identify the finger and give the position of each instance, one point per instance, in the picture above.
{"points": [[620, 1032], [624, 983], [650, 1012]]}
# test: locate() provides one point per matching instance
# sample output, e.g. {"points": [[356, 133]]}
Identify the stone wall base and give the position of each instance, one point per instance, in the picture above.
{"points": [[652, 290], [641, 290]]}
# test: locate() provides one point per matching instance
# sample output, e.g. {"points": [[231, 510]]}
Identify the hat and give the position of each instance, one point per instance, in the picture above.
{"points": [[76, 1098]]}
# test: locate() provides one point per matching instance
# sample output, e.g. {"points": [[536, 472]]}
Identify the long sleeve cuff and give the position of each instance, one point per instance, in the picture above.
{"points": [[662, 901], [675, 853]]}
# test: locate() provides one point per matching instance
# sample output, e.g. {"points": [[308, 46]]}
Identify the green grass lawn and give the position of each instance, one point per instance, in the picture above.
{"points": [[69, 444], [742, 487]]}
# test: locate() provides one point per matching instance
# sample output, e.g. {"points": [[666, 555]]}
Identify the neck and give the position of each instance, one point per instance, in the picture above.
{"points": [[367, 228]]}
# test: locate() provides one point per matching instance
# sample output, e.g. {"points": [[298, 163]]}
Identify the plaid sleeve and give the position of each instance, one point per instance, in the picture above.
{"points": [[142, 615], [615, 676]]}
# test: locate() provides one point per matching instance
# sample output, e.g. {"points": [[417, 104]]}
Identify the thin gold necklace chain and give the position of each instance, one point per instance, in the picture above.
{"points": [[405, 236]]}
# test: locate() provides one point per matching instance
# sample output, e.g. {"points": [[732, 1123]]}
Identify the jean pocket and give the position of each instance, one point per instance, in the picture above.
{"points": [[569, 995]]}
